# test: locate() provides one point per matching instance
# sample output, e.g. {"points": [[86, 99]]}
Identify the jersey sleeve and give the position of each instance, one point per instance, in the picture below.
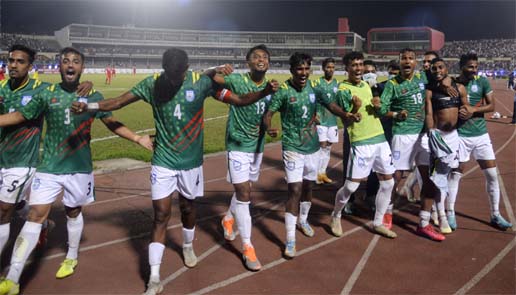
{"points": [[343, 99], [35, 107], [486, 87], [145, 88], [386, 98], [231, 79], [277, 100]]}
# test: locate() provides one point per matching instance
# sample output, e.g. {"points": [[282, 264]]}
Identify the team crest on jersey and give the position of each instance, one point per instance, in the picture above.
{"points": [[474, 88], [335, 89], [190, 95], [268, 97], [396, 155], [83, 99], [25, 100], [312, 97], [421, 86]]}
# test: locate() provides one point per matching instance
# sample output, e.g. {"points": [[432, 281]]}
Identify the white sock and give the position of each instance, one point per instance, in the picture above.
{"points": [[290, 225], [155, 255], [493, 190], [232, 207], [243, 221], [25, 243], [383, 199], [342, 196], [5, 229], [424, 218], [390, 208], [453, 190], [188, 236], [440, 205], [324, 159], [304, 208], [74, 227]]}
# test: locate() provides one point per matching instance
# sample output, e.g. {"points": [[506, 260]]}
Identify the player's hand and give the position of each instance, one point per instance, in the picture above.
{"points": [[224, 69], [451, 91], [273, 132], [377, 103], [402, 116], [354, 117], [145, 141], [84, 88], [79, 107], [272, 87], [356, 102], [466, 112]]}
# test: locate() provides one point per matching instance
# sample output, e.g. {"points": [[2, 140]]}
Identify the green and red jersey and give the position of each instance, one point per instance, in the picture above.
{"points": [[19, 144], [66, 147], [179, 122]]}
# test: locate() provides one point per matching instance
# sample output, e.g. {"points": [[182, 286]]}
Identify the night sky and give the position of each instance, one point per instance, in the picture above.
{"points": [[459, 20]]}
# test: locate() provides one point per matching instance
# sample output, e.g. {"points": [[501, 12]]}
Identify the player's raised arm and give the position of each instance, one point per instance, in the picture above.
{"points": [[110, 104], [217, 73], [227, 96]]}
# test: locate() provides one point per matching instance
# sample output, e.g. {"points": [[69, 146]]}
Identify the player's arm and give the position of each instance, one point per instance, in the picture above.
{"points": [[121, 130], [267, 122], [217, 73], [225, 95], [13, 118], [466, 110], [429, 117], [110, 104]]}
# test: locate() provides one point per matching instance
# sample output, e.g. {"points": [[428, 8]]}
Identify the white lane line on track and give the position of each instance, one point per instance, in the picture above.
{"points": [[277, 262], [360, 266], [506, 201], [487, 269]]}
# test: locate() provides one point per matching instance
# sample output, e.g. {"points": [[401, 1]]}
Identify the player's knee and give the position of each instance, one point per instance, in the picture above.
{"points": [[162, 215]]}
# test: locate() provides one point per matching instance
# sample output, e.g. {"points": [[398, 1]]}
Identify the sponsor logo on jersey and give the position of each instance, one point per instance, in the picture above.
{"points": [[293, 99], [312, 97], [54, 101], [190, 95], [404, 91], [25, 100], [421, 86], [474, 88], [83, 99]]}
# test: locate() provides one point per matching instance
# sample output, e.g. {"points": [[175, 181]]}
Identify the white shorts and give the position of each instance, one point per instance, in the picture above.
{"points": [[78, 189], [408, 149], [15, 183], [329, 134], [479, 146], [363, 158], [451, 138], [243, 167], [299, 166], [189, 183]]}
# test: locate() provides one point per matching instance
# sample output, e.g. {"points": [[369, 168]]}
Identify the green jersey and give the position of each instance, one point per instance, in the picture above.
{"points": [[369, 130], [477, 89], [400, 94], [66, 147], [179, 122], [244, 131], [298, 117], [329, 89], [19, 144]]}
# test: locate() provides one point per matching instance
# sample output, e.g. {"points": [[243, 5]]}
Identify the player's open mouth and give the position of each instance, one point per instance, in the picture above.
{"points": [[70, 73]]}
